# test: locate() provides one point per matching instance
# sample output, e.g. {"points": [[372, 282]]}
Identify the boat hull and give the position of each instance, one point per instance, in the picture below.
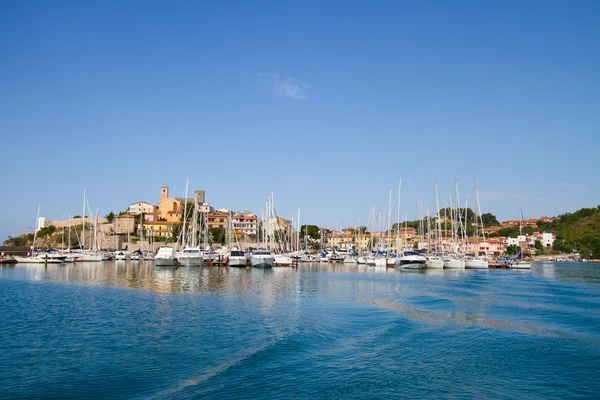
{"points": [[190, 261], [164, 262], [519, 265], [454, 264], [239, 262], [435, 263], [476, 264]]}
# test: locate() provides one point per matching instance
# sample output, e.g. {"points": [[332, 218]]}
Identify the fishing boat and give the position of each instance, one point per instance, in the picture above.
{"points": [[261, 259]]}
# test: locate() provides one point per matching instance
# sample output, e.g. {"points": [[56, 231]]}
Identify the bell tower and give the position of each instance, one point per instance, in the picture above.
{"points": [[164, 192]]}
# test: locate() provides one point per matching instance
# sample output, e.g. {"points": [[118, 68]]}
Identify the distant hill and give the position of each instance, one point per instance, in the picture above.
{"points": [[579, 231]]}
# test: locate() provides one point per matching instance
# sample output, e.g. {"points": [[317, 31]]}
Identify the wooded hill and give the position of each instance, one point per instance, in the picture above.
{"points": [[578, 231]]}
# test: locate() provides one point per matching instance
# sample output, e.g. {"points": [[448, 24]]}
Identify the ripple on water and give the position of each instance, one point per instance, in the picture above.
{"points": [[127, 331]]}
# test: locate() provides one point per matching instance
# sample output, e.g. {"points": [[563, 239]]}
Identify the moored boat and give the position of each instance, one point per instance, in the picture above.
{"points": [[190, 256], [476, 263], [262, 259], [237, 258], [410, 260], [165, 257]]}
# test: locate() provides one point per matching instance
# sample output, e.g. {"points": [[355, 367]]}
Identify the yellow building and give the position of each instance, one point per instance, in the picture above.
{"points": [[157, 229], [169, 209]]}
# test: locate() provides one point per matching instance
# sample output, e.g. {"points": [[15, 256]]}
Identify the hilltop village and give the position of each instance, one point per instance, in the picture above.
{"points": [[145, 226]]}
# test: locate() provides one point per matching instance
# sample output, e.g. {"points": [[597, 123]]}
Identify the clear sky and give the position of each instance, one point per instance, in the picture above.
{"points": [[326, 103]]}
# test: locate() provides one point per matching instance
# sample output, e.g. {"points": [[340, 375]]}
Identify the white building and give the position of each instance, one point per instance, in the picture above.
{"points": [[141, 207], [245, 222]]}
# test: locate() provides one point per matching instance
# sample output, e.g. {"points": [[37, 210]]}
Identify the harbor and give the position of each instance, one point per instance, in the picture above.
{"points": [[134, 330]]}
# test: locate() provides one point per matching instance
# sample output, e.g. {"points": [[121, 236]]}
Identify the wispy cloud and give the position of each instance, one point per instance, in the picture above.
{"points": [[285, 86]]}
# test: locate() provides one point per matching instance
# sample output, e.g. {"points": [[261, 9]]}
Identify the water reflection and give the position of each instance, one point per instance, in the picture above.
{"points": [[271, 283]]}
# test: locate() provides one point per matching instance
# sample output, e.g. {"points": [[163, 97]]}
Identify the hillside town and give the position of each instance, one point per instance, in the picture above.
{"points": [[145, 225]]}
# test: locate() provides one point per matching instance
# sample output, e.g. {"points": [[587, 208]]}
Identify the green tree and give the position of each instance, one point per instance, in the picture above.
{"points": [[217, 235], [489, 219], [110, 217], [513, 249], [311, 230], [539, 246], [46, 231]]}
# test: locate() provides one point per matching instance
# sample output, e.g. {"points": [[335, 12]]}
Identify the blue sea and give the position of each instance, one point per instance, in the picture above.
{"points": [[128, 331]]}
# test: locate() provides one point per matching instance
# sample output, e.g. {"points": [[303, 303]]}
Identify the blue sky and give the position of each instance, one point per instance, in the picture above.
{"points": [[324, 103]]}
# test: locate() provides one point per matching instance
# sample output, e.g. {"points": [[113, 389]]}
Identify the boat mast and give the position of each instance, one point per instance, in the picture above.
{"points": [[83, 224], [439, 224], [398, 217]]}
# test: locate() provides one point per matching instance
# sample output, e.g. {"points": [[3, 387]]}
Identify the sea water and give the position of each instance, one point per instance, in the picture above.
{"points": [[133, 330]]}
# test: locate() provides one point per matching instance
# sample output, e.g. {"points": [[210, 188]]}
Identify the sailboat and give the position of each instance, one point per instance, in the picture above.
{"points": [[477, 262], [434, 261], [519, 263], [44, 257]]}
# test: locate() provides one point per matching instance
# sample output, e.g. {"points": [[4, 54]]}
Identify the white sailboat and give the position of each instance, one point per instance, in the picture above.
{"points": [[43, 257], [477, 262], [519, 263]]}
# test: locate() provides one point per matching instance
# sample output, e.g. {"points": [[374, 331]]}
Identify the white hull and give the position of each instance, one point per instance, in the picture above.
{"points": [[91, 257], [410, 260], [190, 261], [38, 260], [164, 262], [434, 263], [282, 260], [454, 264], [236, 261], [519, 265], [262, 260], [165, 257], [476, 264]]}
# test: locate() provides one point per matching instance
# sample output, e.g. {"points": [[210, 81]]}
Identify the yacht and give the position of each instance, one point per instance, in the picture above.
{"points": [[237, 258], [190, 256], [410, 260], [165, 257], [262, 259]]}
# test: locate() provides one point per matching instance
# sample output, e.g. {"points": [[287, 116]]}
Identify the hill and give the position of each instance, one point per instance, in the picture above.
{"points": [[578, 231]]}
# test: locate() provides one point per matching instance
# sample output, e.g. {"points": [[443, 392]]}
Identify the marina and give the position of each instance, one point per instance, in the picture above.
{"points": [[131, 329]]}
